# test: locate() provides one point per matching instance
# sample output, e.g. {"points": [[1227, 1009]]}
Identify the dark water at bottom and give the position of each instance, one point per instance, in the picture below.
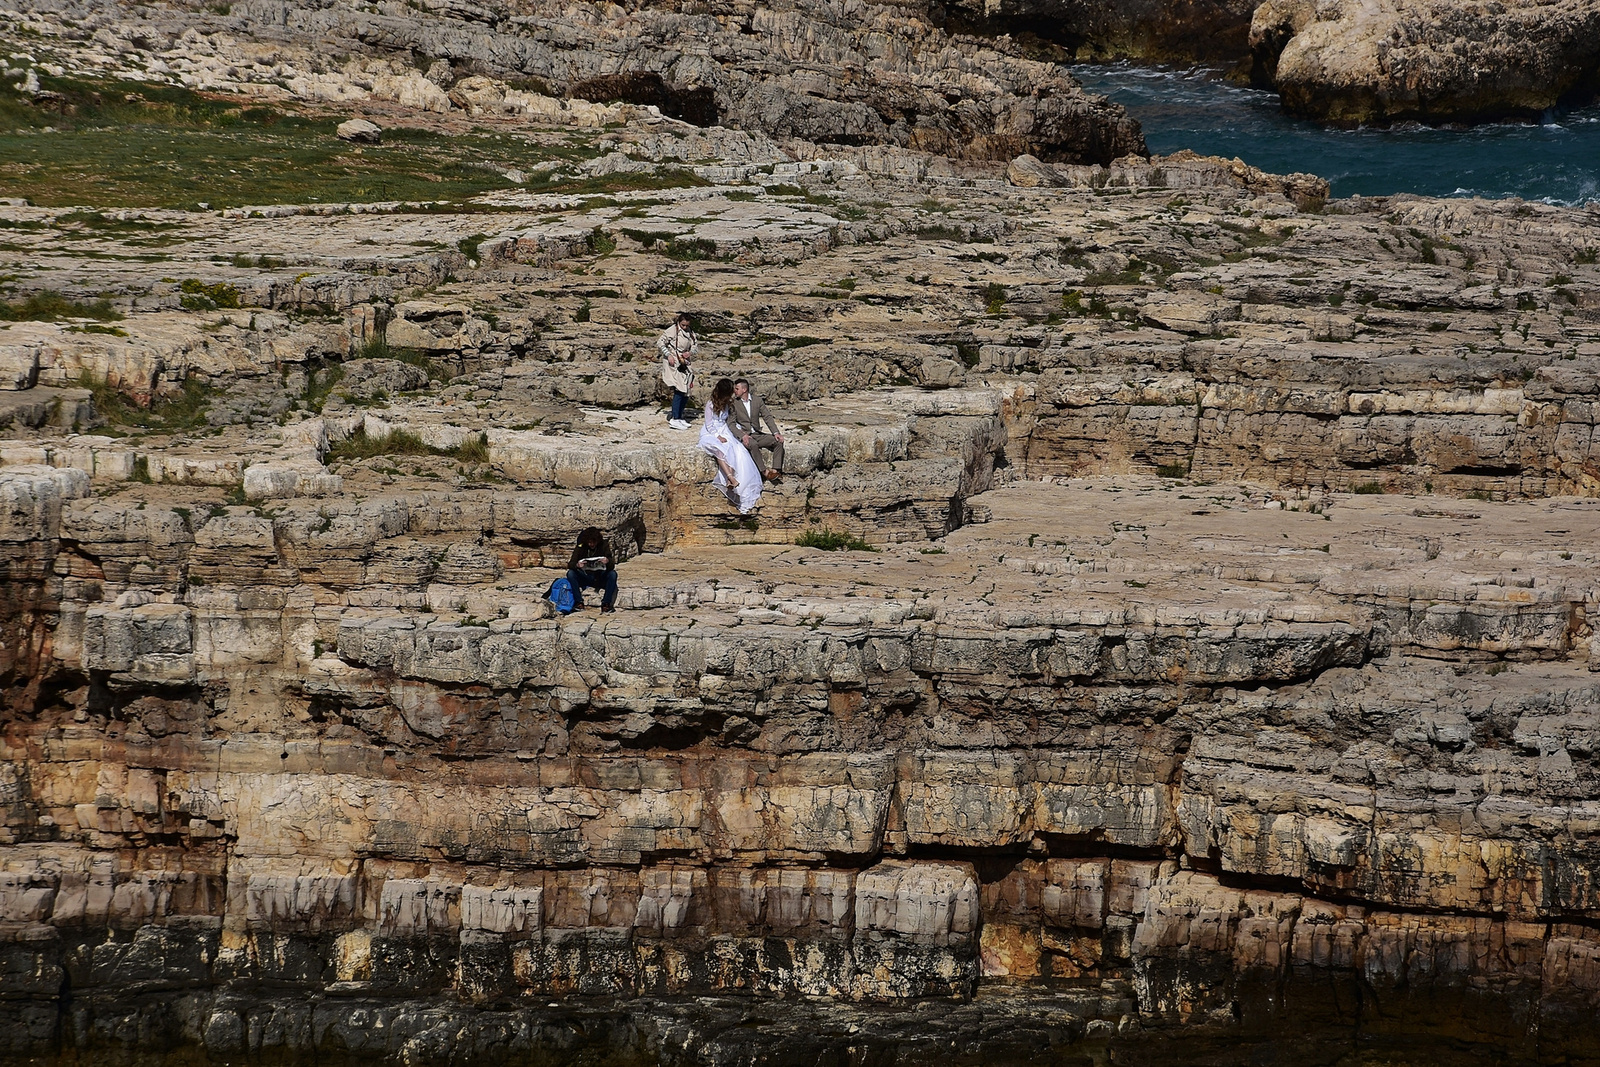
{"points": [[1556, 161]]}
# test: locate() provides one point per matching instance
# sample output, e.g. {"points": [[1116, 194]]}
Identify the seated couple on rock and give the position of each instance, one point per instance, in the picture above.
{"points": [[732, 436]]}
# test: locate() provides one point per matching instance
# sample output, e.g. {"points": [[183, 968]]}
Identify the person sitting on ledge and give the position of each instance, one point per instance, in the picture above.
{"points": [[593, 567], [746, 419]]}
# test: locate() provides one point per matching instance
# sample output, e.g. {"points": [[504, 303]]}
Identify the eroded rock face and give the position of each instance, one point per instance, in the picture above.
{"points": [[828, 73], [1215, 32], [1432, 62], [1207, 655], [1188, 755]]}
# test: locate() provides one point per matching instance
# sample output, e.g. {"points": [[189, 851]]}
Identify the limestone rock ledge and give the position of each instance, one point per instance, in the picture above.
{"points": [[1188, 771]]}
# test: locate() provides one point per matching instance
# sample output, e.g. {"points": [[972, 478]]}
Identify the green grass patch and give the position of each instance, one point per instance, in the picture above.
{"points": [[374, 347], [199, 296], [1367, 489], [994, 298], [360, 445], [648, 238], [414, 356], [832, 541], [473, 450], [51, 306], [1251, 236], [671, 245], [174, 413], [691, 248], [661, 178], [177, 148], [319, 384], [99, 224], [1072, 303], [377, 347]]}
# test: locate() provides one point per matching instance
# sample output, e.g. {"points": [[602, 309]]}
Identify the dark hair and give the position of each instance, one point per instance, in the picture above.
{"points": [[680, 316], [590, 534], [722, 396], [742, 381]]}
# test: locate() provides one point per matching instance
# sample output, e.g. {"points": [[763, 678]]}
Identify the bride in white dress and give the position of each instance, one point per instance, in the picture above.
{"points": [[737, 474]]}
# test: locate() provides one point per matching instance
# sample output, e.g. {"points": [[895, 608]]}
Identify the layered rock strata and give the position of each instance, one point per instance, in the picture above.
{"points": [[1177, 755], [1209, 652], [830, 73], [945, 79]]}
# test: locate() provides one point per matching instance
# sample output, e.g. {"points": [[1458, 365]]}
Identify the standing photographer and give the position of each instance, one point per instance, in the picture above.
{"points": [[677, 346]]}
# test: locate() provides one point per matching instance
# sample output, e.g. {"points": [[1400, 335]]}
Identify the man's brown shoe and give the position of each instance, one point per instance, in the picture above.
{"points": [[774, 476]]}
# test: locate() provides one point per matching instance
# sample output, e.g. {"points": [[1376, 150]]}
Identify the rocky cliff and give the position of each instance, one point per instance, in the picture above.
{"points": [[1172, 631], [1211, 32], [1353, 64], [1345, 64], [947, 79], [830, 72]]}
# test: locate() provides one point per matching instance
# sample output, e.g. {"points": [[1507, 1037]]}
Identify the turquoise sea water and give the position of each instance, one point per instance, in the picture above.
{"points": [[1557, 160]]}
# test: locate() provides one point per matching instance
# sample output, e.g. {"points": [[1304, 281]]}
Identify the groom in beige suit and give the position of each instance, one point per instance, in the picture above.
{"points": [[746, 419]]}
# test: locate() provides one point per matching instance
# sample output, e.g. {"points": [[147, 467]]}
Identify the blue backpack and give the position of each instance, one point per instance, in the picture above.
{"points": [[562, 596]]}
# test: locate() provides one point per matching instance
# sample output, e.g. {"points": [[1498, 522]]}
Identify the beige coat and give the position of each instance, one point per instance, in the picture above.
{"points": [[676, 346]]}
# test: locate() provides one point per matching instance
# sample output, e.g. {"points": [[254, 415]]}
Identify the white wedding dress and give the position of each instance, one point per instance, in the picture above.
{"points": [[717, 439]]}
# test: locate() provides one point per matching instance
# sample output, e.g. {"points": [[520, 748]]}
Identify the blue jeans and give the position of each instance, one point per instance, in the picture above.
{"points": [[606, 580], [679, 401]]}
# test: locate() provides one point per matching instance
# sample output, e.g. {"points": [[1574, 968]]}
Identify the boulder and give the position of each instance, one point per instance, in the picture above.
{"points": [[477, 94], [366, 379], [1029, 172], [360, 131], [411, 90]]}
